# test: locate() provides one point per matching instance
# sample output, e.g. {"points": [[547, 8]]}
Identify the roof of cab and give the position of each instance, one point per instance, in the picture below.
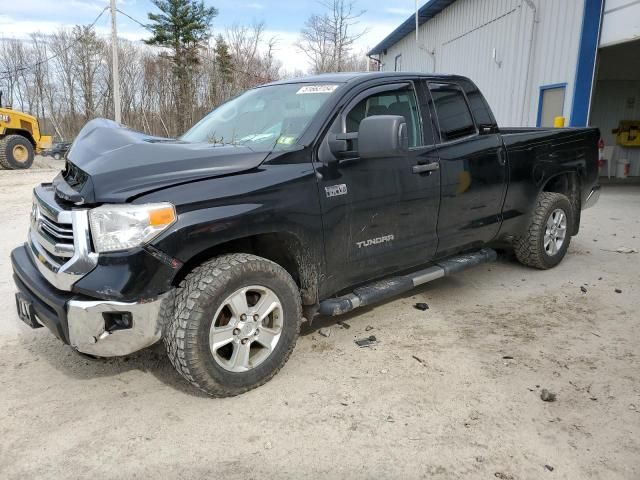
{"points": [[356, 77]]}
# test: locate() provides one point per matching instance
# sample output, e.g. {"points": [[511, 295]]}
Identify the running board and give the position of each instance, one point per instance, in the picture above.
{"points": [[384, 289]]}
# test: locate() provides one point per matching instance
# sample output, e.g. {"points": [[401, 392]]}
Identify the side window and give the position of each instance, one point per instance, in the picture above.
{"points": [[396, 102], [454, 116], [479, 107]]}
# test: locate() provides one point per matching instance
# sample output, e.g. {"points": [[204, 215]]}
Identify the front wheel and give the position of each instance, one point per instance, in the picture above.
{"points": [[235, 323], [546, 240]]}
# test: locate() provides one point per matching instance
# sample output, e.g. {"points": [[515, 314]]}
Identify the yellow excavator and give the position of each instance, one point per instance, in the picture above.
{"points": [[20, 138]]}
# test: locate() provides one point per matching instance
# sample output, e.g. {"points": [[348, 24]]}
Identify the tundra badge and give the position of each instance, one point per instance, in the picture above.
{"points": [[375, 241]]}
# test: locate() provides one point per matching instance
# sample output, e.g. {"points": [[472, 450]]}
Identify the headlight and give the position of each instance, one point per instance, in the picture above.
{"points": [[120, 227]]}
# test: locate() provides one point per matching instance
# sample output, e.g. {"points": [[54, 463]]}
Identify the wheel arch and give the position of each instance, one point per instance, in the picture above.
{"points": [[568, 184], [284, 248], [23, 133]]}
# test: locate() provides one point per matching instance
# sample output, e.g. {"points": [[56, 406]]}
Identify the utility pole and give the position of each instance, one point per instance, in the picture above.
{"points": [[114, 66], [417, 35]]}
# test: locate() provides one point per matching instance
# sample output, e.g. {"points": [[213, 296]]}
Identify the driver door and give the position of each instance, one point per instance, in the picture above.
{"points": [[379, 215]]}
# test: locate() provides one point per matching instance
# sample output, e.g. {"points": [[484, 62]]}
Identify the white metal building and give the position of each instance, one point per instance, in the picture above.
{"points": [[533, 59]]}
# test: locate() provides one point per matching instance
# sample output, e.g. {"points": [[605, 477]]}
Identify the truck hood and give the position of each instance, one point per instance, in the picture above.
{"points": [[111, 163]]}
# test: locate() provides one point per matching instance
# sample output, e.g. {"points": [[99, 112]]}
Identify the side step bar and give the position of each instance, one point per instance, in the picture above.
{"points": [[390, 287]]}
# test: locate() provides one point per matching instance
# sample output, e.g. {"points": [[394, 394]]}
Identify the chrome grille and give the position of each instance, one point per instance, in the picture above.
{"points": [[59, 240], [58, 237], [53, 235]]}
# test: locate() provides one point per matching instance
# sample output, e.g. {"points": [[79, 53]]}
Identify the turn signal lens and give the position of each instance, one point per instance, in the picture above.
{"points": [[162, 216]]}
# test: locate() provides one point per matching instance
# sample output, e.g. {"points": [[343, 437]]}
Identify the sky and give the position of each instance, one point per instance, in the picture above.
{"points": [[283, 19]]}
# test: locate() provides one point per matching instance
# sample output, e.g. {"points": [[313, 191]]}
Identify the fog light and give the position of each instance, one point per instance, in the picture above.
{"points": [[117, 321]]}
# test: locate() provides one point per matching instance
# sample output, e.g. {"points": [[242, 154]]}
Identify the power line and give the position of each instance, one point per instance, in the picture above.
{"points": [[12, 72], [133, 19], [16, 70]]}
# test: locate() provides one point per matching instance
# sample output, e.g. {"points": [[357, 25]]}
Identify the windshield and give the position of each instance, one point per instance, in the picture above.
{"points": [[263, 118]]}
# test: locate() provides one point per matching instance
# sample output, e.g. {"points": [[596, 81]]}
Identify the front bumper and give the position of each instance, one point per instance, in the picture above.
{"points": [[592, 198], [85, 323]]}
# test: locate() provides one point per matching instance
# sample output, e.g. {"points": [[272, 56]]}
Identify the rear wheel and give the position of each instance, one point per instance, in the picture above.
{"points": [[16, 152], [547, 238], [236, 321]]}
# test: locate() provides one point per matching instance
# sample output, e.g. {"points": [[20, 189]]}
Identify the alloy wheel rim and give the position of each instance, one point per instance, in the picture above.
{"points": [[246, 328], [20, 153], [555, 232]]}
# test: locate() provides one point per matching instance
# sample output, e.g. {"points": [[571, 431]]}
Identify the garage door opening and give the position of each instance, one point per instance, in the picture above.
{"points": [[615, 109]]}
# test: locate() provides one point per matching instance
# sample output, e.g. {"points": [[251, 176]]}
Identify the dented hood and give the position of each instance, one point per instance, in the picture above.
{"points": [[111, 163]]}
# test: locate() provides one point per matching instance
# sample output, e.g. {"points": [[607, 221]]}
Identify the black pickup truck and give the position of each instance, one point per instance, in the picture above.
{"points": [[302, 197]]}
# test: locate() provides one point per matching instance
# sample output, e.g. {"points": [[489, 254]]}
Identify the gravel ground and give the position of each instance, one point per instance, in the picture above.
{"points": [[450, 392]]}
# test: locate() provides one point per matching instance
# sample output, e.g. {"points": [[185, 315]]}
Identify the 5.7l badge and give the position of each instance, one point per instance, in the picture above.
{"points": [[336, 190]]}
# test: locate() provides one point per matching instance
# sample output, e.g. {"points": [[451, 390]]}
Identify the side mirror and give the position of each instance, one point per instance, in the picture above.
{"points": [[339, 146], [383, 136]]}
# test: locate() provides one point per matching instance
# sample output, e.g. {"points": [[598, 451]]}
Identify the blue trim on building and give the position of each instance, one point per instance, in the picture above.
{"points": [[542, 89], [591, 21], [425, 13]]}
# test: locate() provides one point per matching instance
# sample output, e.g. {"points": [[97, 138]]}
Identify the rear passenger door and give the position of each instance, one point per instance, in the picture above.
{"points": [[473, 170]]}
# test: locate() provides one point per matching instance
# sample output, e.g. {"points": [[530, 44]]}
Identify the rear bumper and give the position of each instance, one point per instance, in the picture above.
{"points": [[84, 323], [592, 197]]}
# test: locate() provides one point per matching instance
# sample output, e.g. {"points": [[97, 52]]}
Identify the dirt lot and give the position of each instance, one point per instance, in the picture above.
{"points": [[439, 397]]}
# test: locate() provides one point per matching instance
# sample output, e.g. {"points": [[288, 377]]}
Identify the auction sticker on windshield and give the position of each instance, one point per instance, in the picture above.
{"points": [[316, 89]]}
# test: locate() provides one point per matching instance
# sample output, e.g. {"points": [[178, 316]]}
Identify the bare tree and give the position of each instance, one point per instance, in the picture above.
{"points": [[315, 43], [65, 78], [63, 62], [12, 58], [251, 64], [88, 54], [40, 73], [328, 39]]}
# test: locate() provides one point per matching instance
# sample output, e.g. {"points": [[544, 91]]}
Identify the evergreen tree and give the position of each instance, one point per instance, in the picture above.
{"points": [[223, 60], [182, 27]]}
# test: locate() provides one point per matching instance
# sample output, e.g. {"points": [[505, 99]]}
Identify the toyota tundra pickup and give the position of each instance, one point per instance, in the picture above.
{"points": [[301, 197]]}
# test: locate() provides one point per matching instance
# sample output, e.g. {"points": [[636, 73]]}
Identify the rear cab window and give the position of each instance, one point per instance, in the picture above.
{"points": [[453, 114]]}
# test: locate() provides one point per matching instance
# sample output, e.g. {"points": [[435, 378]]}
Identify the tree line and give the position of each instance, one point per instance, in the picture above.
{"points": [[170, 80]]}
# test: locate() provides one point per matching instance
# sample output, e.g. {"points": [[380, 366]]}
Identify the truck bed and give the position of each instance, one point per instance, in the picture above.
{"points": [[536, 155]]}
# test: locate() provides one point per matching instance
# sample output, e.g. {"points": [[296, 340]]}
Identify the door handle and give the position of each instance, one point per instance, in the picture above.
{"points": [[426, 168], [502, 156]]}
